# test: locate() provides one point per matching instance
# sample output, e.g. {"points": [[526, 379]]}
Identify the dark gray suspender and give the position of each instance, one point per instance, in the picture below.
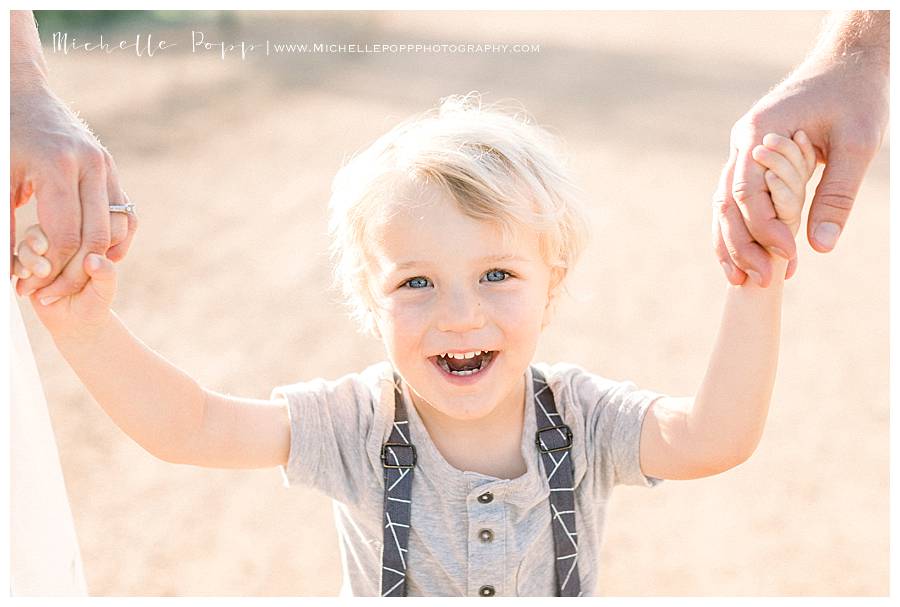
{"points": [[554, 441], [398, 458]]}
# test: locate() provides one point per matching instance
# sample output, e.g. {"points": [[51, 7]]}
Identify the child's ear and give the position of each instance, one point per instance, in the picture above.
{"points": [[556, 277], [372, 322], [557, 274], [548, 314]]}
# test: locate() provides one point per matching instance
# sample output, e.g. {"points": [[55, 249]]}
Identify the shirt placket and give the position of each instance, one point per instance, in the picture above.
{"points": [[486, 539]]}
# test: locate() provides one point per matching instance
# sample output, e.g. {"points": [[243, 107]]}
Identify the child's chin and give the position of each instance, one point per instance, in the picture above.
{"points": [[455, 407], [465, 414]]}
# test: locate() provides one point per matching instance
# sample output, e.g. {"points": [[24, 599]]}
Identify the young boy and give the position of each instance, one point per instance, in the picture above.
{"points": [[457, 467]]}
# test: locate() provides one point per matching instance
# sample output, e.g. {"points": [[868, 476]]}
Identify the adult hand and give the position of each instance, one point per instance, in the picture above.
{"points": [[842, 105], [74, 179]]}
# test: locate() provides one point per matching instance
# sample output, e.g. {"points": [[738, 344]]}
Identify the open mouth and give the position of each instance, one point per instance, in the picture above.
{"points": [[461, 365]]}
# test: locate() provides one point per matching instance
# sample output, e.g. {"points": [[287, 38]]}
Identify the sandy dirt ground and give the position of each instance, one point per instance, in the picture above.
{"points": [[231, 162]]}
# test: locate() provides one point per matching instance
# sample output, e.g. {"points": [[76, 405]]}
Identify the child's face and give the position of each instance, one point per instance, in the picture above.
{"points": [[446, 283]]}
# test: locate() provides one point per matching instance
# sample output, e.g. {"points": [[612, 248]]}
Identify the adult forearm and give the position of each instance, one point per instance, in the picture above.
{"points": [[855, 38], [730, 408], [151, 400], [27, 67]]}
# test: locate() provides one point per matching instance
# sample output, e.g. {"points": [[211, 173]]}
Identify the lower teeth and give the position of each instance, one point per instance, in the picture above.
{"points": [[472, 372]]}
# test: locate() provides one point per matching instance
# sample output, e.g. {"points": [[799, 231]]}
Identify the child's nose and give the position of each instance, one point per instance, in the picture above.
{"points": [[460, 311]]}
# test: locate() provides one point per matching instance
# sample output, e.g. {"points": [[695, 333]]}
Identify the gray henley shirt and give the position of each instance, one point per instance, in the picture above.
{"points": [[338, 427]]}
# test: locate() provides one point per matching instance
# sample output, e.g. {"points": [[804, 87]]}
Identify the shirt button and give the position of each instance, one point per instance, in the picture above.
{"points": [[486, 498], [486, 535], [486, 591]]}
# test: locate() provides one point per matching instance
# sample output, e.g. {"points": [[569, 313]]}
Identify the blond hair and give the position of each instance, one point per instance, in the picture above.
{"points": [[497, 165]]}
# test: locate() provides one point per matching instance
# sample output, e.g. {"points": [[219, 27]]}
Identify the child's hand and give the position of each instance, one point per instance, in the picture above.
{"points": [[791, 163], [75, 316]]}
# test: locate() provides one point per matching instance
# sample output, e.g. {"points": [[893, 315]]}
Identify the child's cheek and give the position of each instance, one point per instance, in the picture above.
{"points": [[408, 315], [401, 333], [517, 308]]}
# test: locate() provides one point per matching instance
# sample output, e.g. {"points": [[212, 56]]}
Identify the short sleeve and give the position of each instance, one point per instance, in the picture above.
{"points": [[615, 412], [331, 428]]}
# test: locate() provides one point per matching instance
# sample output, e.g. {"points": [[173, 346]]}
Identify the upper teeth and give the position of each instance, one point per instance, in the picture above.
{"points": [[461, 356]]}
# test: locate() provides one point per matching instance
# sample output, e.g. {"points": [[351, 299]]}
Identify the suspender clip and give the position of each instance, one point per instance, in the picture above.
{"points": [[555, 444], [402, 460]]}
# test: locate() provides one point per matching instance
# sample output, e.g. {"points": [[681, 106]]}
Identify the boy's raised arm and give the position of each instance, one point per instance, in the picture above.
{"points": [[719, 428], [722, 424], [167, 412], [150, 399]]}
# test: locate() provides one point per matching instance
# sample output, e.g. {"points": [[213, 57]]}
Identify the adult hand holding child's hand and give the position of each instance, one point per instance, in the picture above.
{"points": [[56, 158], [839, 97], [73, 316]]}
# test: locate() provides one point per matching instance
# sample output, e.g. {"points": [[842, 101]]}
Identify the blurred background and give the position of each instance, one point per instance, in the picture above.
{"points": [[230, 162]]}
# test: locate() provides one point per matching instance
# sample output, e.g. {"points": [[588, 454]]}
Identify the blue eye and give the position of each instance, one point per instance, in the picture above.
{"points": [[497, 275], [419, 282]]}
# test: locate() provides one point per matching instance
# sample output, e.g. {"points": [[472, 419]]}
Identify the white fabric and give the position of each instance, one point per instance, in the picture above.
{"points": [[44, 555]]}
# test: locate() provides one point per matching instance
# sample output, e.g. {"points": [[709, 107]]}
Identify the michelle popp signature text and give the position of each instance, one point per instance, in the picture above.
{"points": [[141, 45], [146, 46]]}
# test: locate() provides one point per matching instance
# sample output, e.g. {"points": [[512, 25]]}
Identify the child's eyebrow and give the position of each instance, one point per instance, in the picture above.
{"points": [[488, 258]]}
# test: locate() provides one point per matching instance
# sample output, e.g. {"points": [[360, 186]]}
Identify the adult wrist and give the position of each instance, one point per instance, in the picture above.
{"points": [[867, 64], [28, 76], [857, 40], [824, 75], [27, 67]]}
